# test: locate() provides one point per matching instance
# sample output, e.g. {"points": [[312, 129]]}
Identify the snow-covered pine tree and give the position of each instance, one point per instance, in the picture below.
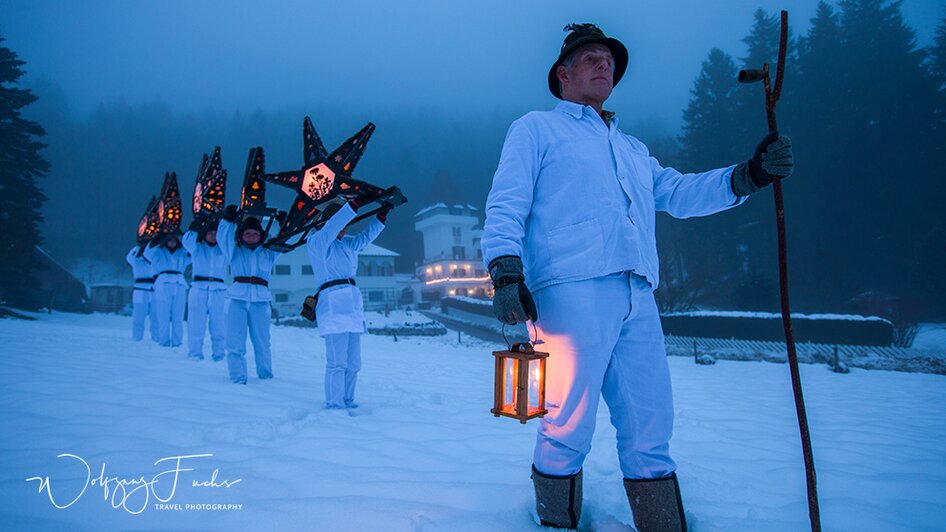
{"points": [[20, 197], [709, 120], [938, 69], [699, 252], [883, 156]]}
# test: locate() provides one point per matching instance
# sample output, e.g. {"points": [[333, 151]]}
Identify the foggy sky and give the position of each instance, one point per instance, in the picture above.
{"points": [[450, 57]]}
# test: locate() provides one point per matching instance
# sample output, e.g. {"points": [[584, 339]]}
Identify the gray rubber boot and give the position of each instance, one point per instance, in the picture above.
{"points": [[557, 499], [656, 504]]}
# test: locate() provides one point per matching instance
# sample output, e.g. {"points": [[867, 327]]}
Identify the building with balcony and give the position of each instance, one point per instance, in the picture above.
{"points": [[453, 260]]}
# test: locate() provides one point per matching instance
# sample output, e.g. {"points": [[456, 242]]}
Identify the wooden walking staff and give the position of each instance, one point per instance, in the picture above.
{"points": [[771, 98]]}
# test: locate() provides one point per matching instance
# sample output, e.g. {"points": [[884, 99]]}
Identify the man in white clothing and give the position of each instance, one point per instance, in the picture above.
{"points": [[168, 260], [250, 306], [339, 310], [570, 220], [142, 296], [207, 296]]}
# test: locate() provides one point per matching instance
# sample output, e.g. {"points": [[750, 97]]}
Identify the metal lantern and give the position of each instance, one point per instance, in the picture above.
{"points": [[520, 383]]}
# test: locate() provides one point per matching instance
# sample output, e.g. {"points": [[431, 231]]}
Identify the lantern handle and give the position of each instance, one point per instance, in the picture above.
{"points": [[536, 341], [532, 343]]}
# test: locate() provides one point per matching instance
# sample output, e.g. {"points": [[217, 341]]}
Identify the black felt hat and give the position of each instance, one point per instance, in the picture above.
{"points": [[250, 222], [211, 225], [580, 35], [172, 234]]}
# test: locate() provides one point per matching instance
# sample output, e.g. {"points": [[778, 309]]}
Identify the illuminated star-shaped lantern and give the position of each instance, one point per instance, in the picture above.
{"points": [[148, 225], [254, 188], [169, 205], [323, 177], [209, 188]]}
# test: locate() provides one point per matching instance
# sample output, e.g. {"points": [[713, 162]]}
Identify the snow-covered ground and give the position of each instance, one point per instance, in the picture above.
{"points": [[423, 452], [930, 336]]}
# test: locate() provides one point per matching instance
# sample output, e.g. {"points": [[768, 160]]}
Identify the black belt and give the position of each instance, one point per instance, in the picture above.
{"points": [[206, 278], [144, 289], [336, 282], [144, 280], [171, 272], [308, 306], [251, 280]]}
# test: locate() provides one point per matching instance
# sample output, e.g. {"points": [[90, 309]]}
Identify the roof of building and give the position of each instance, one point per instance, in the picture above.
{"points": [[442, 205], [374, 250], [425, 210]]}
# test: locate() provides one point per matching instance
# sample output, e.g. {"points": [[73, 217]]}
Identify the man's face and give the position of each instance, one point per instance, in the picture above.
{"points": [[590, 77], [172, 243], [211, 237], [251, 236]]}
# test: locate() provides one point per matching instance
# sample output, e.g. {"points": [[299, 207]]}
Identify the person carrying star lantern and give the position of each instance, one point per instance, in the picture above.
{"points": [[249, 309], [207, 297], [339, 312]]}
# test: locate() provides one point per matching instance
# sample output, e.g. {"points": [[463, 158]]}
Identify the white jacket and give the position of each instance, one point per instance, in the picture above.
{"points": [[340, 308], [576, 199], [245, 262], [207, 261], [140, 268], [163, 260]]}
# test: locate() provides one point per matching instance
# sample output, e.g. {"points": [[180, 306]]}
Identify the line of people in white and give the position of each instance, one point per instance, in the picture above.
{"points": [[244, 307]]}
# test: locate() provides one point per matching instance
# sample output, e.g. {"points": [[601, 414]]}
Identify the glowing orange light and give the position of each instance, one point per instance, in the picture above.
{"points": [[317, 182], [519, 386]]}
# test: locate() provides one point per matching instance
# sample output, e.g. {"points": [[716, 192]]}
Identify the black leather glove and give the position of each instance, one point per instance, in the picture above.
{"points": [[281, 217], [231, 213], [383, 216], [365, 197], [512, 301], [772, 160]]}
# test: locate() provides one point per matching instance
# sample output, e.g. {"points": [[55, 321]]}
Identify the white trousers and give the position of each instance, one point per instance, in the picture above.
{"points": [[253, 317], [142, 307], [342, 363], [169, 301], [604, 338], [203, 305]]}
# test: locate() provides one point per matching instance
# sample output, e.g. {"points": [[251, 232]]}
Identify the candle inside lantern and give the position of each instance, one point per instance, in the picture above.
{"points": [[535, 379], [512, 392]]}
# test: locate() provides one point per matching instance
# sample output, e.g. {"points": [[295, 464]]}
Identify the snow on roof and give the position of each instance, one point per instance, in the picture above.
{"points": [[425, 210], [773, 315], [56, 263], [377, 251], [442, 205]]}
